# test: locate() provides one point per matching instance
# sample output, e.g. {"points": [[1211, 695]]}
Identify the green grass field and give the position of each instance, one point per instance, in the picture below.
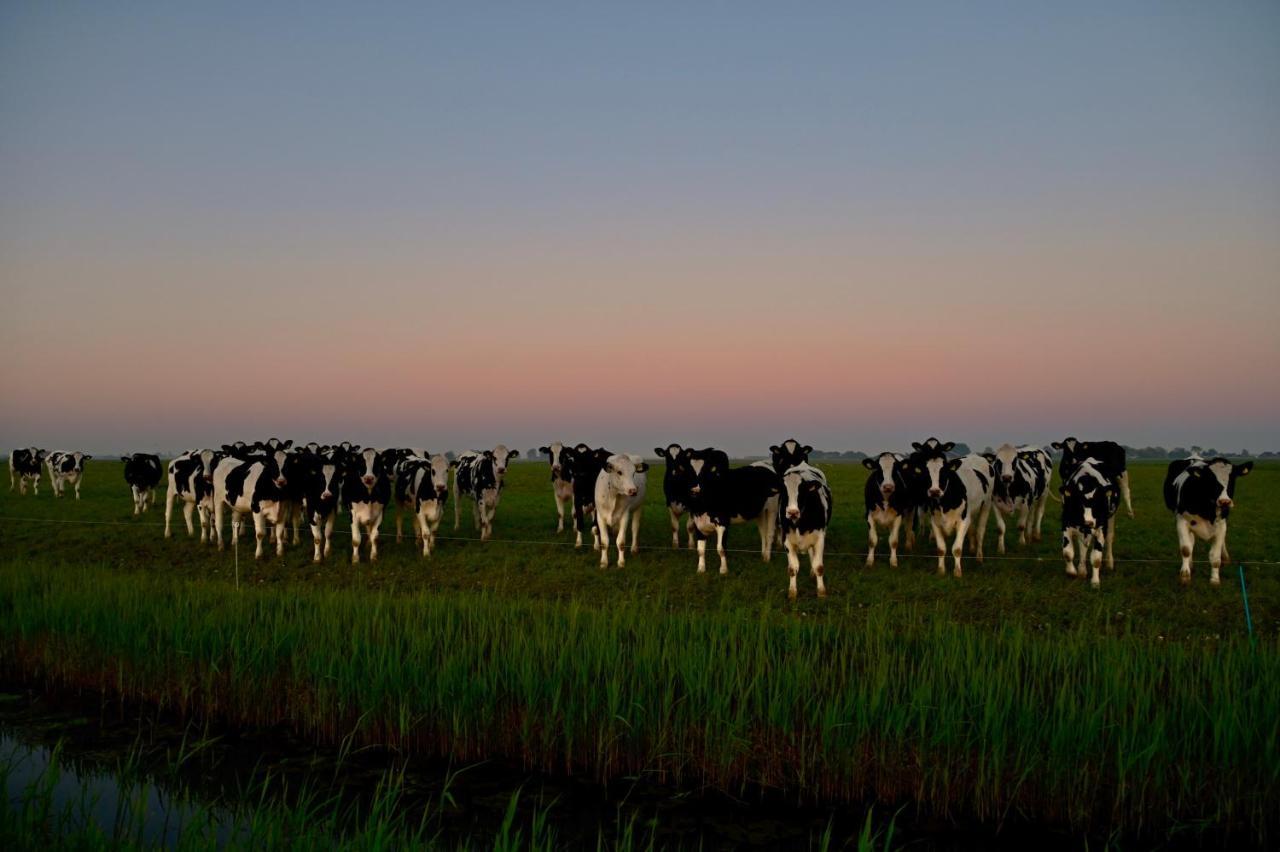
{"points": [[1139, 710]]}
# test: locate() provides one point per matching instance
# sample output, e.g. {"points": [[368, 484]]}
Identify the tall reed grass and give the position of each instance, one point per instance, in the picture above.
{"points": [[1107, 734]]}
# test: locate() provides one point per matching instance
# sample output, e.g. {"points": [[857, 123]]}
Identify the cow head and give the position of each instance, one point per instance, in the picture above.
{"points": [[621, 469], [706, 467], [1090, 491], [1223, 475], [798, 481], [501, 458], [1003, 462], [555, 457], [890, 469], [369, 465], [788, 454], [440, 474]]}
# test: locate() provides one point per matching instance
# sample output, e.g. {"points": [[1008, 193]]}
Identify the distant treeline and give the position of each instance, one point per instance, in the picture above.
{"points": [[964, 450]]}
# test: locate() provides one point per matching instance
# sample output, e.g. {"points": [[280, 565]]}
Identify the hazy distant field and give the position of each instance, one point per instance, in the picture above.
{"points": [[528, 559], [1137, 710]]}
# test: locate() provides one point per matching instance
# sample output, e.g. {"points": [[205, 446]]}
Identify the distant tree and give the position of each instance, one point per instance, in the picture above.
{"points": [[532, 455], [962, 449], [451, 455]]}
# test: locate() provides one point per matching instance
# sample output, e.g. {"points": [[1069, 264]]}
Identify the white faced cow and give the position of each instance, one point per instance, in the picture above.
{"points": [[191, 481], [958, 496], [142, 472], [1201, 494], [422, 489], [804, 520], [1090, 498], [1022, 486], [24, 467], [66, 468], [366, 491], [620, 489], [480, 476], [561, 480], [253, 486], [889, 503]]}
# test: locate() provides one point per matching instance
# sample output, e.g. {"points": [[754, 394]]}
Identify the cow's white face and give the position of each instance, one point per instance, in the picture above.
{"points": [[501, 455], [440, 473], [1006, 458], [885, 462], [329, 476], [1221, 471], [280, 457], [365, 463], [208, 459], [622, 471], [554, 454], [933, 467]]}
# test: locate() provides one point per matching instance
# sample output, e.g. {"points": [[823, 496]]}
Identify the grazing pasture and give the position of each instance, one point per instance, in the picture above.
{"points": [[1140, 709]]}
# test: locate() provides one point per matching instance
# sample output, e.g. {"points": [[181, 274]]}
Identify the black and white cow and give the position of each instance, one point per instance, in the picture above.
{"points": [[66, 468], [274, 444], [788, 454], [250, 486], [319, 479], [890, 502], [142, 472], [675, 490], [720, 496], [1110, 454], [366, 491], [489, 468], [1090, 498], [957, 495], [619, 498], [586, 464], [805, 515], [191, 481], [422, 489], [24, 467], [1201, 494], [1022, 477], [561, 481]]}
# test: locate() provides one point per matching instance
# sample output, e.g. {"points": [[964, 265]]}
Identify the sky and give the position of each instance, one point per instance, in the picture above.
{"points": [[452, 225]]}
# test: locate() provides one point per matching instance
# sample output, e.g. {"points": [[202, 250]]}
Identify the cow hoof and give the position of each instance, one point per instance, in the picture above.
{"points": [[1097, 584], [791, 594], [822, 593], [1214, 581], [724, 570], [871, 560], [1184, 579], [958, 573]]}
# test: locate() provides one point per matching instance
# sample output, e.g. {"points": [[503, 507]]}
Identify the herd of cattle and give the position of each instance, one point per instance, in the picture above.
{"points": [[279, 485]]}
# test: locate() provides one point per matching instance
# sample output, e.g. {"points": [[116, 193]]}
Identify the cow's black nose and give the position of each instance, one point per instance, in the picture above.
{"points": [[1007, 478]]}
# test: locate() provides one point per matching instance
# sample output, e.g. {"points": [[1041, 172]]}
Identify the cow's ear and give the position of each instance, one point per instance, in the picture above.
{"points": [[126, 458], [806, 449], [86, 457], [545, 450], [1243, 469], [915, 445], [954, 464], [991, 457], [1057, 445], [775, 449], [947, 447], [869, 464], [642, 467], [662, 454], [453, 463]]}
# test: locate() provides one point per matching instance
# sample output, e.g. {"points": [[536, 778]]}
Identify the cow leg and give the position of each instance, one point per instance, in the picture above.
{"points": [[559, 510], [636, 515], [282, 535], [1124, 489], [1097, 544], [793, 566], [982, 529], [168, 514], [623, 523], [1000, 527], [204, 514], [724, 563], [355, 537], [910, 522], [317, 536], [893, 541], [1024, 512], [602, 526], [77, 489], [940, 540], [1040, 507], [1111, 537], [815, 563], [702, 552], [216, 532], [675, 528], [873, 539], [1068, 554], [957, 547], [688, 532], [1215, 551], [328, 532], [1186, 542]]}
